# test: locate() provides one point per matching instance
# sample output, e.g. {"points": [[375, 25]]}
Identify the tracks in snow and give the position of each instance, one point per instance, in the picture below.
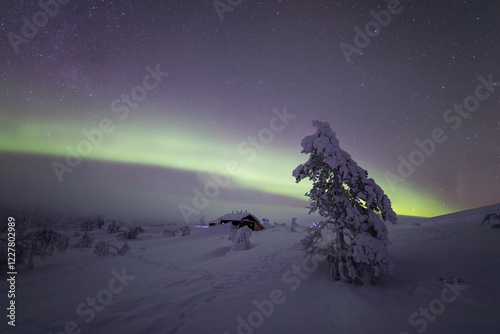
{"points": [[188, 295]]}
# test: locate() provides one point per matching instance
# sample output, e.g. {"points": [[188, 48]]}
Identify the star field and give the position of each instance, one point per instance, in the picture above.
{"points": [[89, 69]]}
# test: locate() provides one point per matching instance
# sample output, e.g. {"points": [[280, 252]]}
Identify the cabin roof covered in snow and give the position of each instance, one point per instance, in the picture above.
{"points": [[237, 216]]}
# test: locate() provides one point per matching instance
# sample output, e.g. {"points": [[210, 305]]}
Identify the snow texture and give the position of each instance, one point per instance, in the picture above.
{"points": [[196, 284]]}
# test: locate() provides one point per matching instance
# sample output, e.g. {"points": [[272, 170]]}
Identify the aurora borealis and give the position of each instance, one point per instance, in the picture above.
{"points": [[140, 144]]}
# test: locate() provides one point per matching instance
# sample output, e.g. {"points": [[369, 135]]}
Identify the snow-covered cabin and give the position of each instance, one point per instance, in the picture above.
{"points": [[241, 219]]}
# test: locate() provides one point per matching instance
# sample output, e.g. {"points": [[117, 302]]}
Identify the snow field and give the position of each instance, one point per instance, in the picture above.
{"points": [[197, 284]]}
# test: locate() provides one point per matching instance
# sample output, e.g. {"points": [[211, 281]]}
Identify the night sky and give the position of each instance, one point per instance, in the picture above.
{"points": [[148, 109]]}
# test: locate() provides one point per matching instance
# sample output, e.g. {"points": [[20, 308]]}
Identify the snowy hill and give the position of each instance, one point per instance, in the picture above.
{"points": [[446, 281]]}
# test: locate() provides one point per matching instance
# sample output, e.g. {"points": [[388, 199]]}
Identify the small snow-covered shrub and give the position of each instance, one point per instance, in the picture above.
{"points": [[99, 222], [241, 240], [113, 227], [185, 230], [169, 233], [490, 218], [91, 224], [85, 242], [132, 233], [101, 248], [41, 244], [87, 226], [295, 224]]}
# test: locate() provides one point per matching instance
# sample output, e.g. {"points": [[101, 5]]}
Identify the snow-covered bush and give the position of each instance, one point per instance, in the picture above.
{"points": [[40, 244], [241, 240], [99, 222], [85, 242], [265, 223], [354, 206], [132, 232], [113, 227], [91, 224], [490, 218], [102, 248], [87, 226], [169, 233], [184, 230]]}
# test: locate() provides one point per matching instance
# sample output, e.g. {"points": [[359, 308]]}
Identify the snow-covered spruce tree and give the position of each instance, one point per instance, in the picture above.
{"points": [[355, 209]]}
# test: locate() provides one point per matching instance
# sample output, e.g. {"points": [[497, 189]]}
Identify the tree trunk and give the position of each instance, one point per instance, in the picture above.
{"points": [[340, 255]]}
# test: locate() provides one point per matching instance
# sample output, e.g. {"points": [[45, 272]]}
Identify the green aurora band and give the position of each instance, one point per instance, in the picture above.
{"points": [[183, 148]]}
